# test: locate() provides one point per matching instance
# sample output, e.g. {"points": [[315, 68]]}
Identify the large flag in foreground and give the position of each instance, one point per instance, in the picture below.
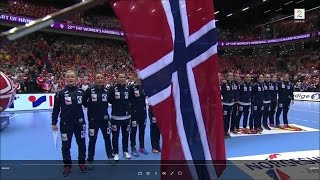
{"points": [[174, 48]]}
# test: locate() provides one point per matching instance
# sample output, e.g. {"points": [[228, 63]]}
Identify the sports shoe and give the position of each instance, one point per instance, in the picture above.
{"points": [[258, 131], [126, 155], [252, 131], [238, 131], [227, 135], [89, 165], [83, 168], [66, 171], [116, 157], [143, 151], [135, 153], [246, 131], [154, 150], [286, 126], [266, 127]]}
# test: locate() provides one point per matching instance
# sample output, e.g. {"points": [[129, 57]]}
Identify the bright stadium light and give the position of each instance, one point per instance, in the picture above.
{"points": [[278, 10], [264, 0], [267, 11], [46, 18], [244, 9], [229, 15], [13, 30], [299, 2], [288, 3], [216, 12], [30, 23]]}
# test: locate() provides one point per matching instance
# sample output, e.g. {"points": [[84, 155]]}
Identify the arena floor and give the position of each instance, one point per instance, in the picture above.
{"points": [[29, 137]]}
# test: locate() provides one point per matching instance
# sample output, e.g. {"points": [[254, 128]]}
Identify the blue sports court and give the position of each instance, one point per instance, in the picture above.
{"points": [[29, 137]]}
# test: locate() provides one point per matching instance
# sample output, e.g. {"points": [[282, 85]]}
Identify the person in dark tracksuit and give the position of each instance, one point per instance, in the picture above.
{"points": [[96, 100], [235, 108], [139, 116], [256, 106], [285, 91], [154, 132], [120, 98], [245, 90], [266, 101], [68, 103], [274, 99], [227, 102]]}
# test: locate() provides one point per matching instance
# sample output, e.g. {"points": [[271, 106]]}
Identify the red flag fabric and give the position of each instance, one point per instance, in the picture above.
{"points": [[173, 45]]}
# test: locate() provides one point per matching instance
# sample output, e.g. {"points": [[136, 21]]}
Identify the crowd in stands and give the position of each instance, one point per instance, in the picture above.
{"points": [[247, 64], [29, 9], [308, 68], [35, 10], [235, 34], [289, 27], [307, 80], [37, 62], [286, 27], [282, 28], [102, 21], [303, 67]]}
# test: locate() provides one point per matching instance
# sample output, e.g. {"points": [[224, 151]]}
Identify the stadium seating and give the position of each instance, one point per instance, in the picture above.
{"points": [[38, 61], [282, 28]]}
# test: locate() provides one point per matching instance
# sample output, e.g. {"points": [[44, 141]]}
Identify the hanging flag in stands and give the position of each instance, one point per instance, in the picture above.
{"points": [[173, 45]]}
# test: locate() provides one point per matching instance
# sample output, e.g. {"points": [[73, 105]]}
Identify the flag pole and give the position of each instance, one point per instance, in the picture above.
{"points": [[43, 22]]}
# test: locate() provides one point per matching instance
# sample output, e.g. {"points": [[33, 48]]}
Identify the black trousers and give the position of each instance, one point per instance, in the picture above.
{"points": [[266, 113], [255, 116], [283, 105], [67, 130], [226, 117], [234, 116], [272, 112], [137, 122], [154, 134], [243, 109], [105, 127], [116, 126]]}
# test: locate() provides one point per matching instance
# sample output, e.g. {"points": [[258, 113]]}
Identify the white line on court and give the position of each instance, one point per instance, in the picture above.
{"points": [[14, 116]]}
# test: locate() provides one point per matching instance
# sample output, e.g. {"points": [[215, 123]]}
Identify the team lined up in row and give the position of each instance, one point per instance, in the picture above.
{"points": [[263, 99], [128, 113]]}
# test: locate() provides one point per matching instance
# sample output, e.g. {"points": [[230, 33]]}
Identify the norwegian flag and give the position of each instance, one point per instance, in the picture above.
{"points": [[174, 49]]}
